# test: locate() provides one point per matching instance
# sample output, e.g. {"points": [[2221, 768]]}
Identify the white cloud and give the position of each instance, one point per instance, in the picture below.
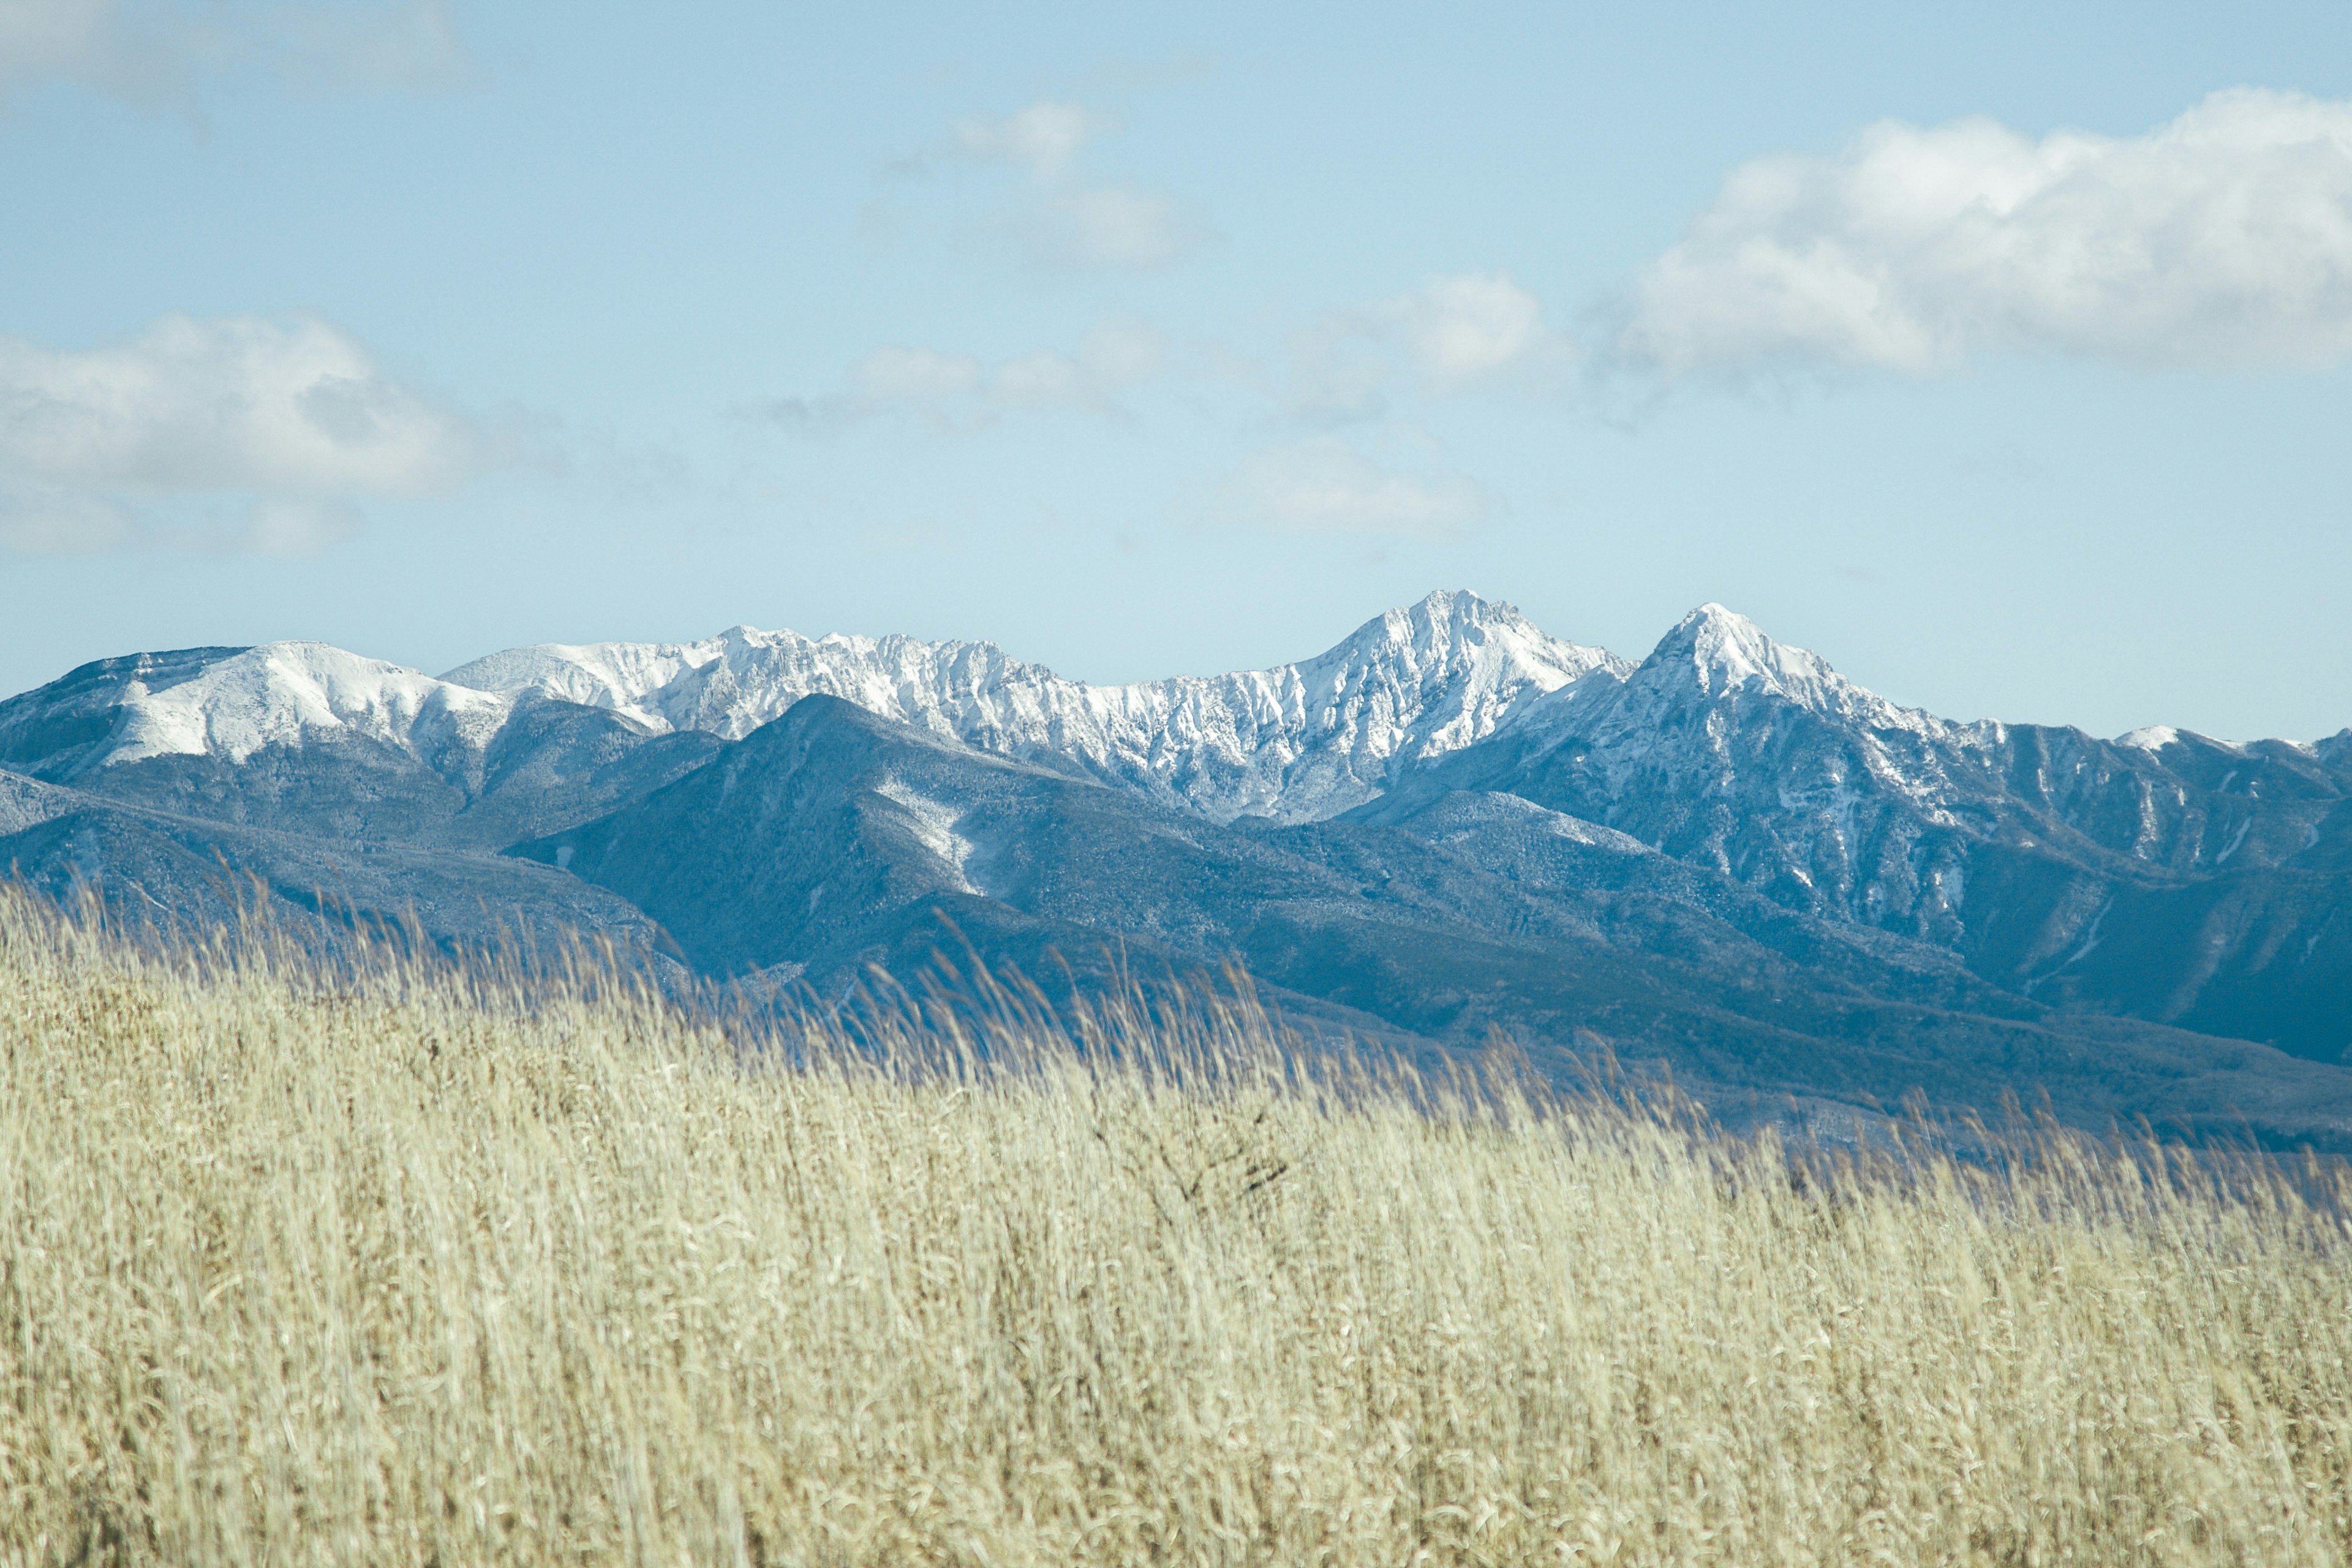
{"points": [[1044, 137], [390, 45], [156, 54], [958, 391], [2222, 239], [291, 421], [1453, 333], [1114, 355], [1063, 219], [1473, 325], [1325, 486]]}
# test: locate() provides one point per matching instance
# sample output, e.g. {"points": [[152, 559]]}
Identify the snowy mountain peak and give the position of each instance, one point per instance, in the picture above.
{"points": [[1437, 617], [1723, 653], [286, 693], [1296, 742], [1451, 632], [731, 684], [230, 703], [1727, 650]]}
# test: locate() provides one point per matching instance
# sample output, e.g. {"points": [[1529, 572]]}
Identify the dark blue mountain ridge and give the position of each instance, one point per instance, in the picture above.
{"points": [[2166, 876], [1728, 857], [832, 839]]}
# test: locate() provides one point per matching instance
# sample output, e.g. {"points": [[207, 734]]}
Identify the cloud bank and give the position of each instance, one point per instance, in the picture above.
{"points": [[2221, 240], [285, 427]]}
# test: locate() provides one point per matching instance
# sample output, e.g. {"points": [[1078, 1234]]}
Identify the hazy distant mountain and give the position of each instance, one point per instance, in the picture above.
{"points": [[1728, 856]]}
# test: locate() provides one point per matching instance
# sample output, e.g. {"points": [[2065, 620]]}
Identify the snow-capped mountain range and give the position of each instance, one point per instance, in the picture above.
{"points": [[2160, 876], [1296, 743], [1672, 750], [289, 694]]}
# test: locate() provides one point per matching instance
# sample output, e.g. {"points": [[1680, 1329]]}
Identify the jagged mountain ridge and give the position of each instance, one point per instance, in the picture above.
{"points": [[834, 839], [1295, 742], [2160, 875], [2014, 846], [305, 738]]}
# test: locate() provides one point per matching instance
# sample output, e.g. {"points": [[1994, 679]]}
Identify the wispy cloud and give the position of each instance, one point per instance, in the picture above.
{"points": [[1454, 333], [1046, 138], [958, 391], [285, 427], [1474, 326], [1113, 356], [1062, 217], [1325, 486], [924, 377], [159, 55], [2222, 239]]}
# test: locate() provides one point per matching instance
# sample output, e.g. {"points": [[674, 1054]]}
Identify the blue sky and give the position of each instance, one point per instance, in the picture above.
{"points": [[1999, 355]]}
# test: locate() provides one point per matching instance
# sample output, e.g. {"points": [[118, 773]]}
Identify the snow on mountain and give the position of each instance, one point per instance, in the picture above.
{"points": [[731, 684], [1730, 750], [1727, 750], [26, 803], [2156, 737], [1724, 750], [1682, 712], [288, 694], [1298, 742], [231, 703], [1725, 652]]}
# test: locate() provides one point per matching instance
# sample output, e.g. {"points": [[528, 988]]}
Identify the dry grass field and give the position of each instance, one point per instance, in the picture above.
{"points": [[415, 1271]]}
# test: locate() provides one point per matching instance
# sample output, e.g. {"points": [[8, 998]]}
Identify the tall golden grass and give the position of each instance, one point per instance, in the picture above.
{"points": [[417, 1269]]}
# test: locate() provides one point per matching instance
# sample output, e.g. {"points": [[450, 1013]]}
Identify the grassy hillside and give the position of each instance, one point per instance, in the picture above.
{"points": [[408, 1272]]}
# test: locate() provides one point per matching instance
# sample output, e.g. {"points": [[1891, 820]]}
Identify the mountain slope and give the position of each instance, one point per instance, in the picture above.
{"points": [[831, 839], [230, 703], [1296, 743], [305, 738], [188, 874], [2009, 844], [1732, 805]]}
